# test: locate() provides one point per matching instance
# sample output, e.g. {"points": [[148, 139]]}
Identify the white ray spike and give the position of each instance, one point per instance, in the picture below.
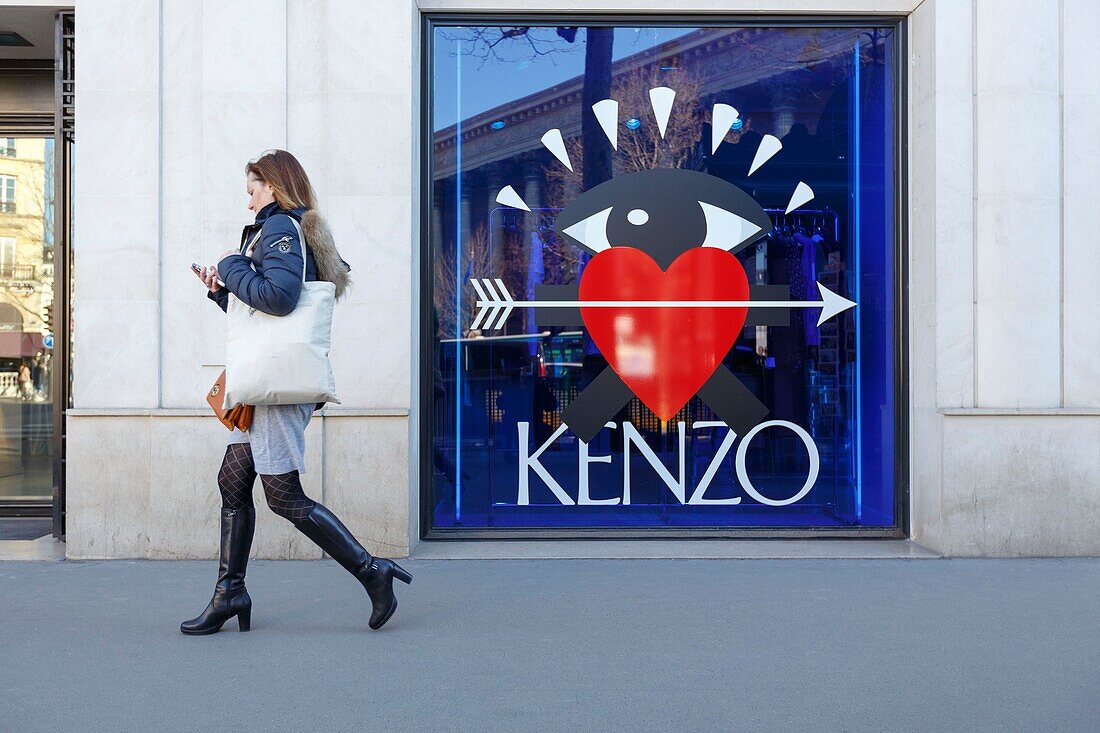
{"points": [[553, 142], [607, 114], [661, 99], [721, 119], [769, 146], [802, 195], [509, 197]]}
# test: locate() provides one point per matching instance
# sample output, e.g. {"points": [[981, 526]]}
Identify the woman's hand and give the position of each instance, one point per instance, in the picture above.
{"points": [[209, 276]]}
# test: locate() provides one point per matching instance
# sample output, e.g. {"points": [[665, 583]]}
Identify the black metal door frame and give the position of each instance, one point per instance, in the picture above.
{"points": [[64, 130], [59, 126]]}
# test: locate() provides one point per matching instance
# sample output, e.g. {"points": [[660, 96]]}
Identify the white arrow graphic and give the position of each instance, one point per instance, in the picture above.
{"points": [[494, 307]]}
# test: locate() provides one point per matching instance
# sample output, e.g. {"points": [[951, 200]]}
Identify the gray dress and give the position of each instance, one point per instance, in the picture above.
{"points": [[278, 438]]}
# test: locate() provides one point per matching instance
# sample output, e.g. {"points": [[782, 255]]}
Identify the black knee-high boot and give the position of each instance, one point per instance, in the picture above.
{"points": [[375, 573], [230, 597]]}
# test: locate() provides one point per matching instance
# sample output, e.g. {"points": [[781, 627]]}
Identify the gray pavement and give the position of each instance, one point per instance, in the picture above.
{"points": [[586, 645]]}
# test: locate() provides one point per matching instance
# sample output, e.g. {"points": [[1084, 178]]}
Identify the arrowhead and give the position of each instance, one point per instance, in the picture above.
{"points": [[833, 304]]}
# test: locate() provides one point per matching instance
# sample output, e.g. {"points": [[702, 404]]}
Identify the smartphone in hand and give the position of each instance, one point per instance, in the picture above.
{"points": [[198, 271]]}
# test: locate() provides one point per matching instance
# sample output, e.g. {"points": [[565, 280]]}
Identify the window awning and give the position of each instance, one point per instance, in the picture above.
{"points": [[15, 344]]}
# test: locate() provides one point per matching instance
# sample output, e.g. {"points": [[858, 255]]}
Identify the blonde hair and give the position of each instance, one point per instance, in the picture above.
{"points": [[286, 176]]}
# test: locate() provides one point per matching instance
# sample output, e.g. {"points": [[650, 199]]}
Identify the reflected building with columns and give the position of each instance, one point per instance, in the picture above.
{"points": [[502, 146]]}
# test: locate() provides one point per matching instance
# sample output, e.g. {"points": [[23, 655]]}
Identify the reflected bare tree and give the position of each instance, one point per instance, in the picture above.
{"points": [[513, 44], [477, 263], [642, 148], [525, 43]]}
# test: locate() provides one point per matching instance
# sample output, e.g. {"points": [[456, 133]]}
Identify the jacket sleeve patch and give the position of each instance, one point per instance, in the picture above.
{"points": [[283, 243]]}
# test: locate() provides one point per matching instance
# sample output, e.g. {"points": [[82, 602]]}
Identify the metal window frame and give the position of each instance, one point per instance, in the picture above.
{"points": [[64, 139], [901, 525], [8, 183]]}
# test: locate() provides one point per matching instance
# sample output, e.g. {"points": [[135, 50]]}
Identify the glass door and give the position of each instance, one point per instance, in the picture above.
{"points": [[27, 362], [36, 143]]}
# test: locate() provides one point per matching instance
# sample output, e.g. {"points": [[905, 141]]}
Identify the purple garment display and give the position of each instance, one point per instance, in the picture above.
{"points": [[808, 270], [535, 272]]}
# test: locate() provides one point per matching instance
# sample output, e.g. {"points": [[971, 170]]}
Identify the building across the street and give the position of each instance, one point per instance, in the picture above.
{"points": [[788, 269]]}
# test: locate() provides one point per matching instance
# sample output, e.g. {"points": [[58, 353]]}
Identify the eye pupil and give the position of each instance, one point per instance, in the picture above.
{"points": [[637, 217]]}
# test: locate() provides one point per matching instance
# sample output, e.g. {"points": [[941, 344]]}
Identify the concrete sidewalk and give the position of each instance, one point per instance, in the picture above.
{"points": [[511, 645]]}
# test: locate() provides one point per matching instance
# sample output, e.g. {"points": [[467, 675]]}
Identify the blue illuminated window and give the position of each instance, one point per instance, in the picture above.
{"points": [[777, 205]]}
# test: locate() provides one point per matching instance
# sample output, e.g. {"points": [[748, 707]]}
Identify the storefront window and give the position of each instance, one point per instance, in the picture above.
{"points": [[589, 186], [26, 320]]}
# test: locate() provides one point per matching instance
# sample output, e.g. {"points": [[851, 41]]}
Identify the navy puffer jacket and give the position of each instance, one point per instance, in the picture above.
{"points": [[271, 279]]}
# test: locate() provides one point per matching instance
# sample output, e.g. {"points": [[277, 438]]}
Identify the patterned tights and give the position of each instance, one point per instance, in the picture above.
{"points": [[283, 491]]}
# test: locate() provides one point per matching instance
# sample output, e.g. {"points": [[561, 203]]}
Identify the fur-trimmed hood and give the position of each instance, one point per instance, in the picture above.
{"points": [[330, 266]]}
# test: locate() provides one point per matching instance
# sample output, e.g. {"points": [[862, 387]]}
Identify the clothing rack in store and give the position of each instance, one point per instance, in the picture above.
{"points": [[827, 380], [799, 216]]}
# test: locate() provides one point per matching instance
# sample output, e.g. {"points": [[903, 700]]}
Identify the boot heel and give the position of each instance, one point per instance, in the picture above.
{"points": [[402, 574], [244, 619]]}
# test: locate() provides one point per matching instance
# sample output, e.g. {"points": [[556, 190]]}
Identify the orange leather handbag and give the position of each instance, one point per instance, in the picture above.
{"points": [[239, 417]]}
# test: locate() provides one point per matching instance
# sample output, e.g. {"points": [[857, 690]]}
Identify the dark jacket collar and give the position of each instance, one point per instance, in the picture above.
{"points": [[273, 208]]}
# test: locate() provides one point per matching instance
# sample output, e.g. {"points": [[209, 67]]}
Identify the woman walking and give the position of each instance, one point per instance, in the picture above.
{"points": [[265, 272], [26, 390]]}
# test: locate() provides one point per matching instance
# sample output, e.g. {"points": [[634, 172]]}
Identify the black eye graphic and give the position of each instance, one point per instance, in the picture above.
{"points": [[591, 231], [725, 229], [664, 212]]}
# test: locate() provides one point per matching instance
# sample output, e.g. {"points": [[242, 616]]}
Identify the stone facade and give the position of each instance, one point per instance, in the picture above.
{"points": [[174, 96]]}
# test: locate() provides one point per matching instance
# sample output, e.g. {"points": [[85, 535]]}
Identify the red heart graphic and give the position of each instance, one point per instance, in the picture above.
{"points": [[664, 354]]}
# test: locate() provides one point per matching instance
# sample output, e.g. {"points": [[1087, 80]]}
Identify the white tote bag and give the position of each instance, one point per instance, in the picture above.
{"points": [[281, 360]]}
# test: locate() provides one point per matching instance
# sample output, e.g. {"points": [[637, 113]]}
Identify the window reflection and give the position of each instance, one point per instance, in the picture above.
{"points": [[26, 315]]}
